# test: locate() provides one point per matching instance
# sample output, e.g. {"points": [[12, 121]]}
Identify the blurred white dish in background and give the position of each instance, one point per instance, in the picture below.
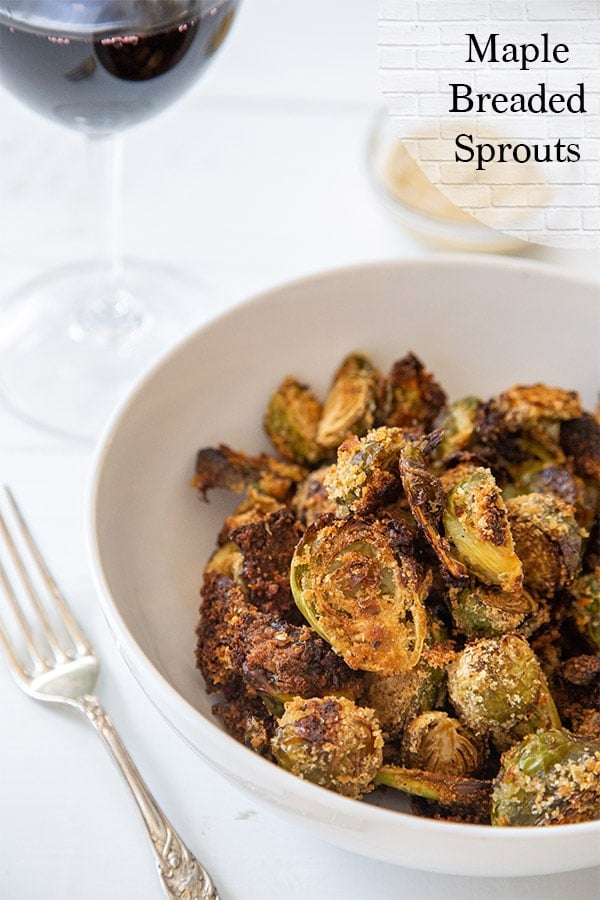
{"points": [[481, 321]]}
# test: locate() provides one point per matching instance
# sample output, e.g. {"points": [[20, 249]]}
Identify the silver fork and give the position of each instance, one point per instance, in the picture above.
{"points": [[62, 668]]}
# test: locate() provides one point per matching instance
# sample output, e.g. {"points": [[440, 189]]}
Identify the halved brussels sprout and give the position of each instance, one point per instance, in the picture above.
{"points": [[365, 475], [498, 689], [222, 467], [547, 538], [550, 778], [425, 496], [479, 610], [524, 405], [331, 742], [447, 790], [457, 424], [359, 595], [291, 420], [436, 742], [311, 499], [350, 405], [476, 522]]}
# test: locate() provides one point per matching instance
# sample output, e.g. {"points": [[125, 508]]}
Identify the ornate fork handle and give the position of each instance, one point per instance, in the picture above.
{"points": [[180, 873]]}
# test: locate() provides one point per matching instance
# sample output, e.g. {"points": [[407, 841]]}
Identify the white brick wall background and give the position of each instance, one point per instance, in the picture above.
{"points": [[423, 48]]}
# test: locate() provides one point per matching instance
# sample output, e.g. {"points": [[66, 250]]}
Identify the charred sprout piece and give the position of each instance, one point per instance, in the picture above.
{"points": [[550, 778], [253, 508], [361, 596], [580, 439], [410, 395], [476, 522], [425, 496], [396, 699], [547, 539], [331, 742], [585, 608], [498, 689], [468, 795], [350, 405], [247, 719], [457, 424], [438, 743], [282, 661], [222, 467], [542, 478], [291, 421], [365, 476], [311, 499], [479, 610], [576, 688]]}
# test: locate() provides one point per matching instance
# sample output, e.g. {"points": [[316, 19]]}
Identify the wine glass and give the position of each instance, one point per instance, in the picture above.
{"points": [[73, 339]]}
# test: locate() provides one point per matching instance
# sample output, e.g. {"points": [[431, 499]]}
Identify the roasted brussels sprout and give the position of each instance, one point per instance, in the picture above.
{"points": [[425, 496], [457, 424], [361, 596], [365, 476], [542, 478], [585, 607], [350, 405], [499, 690], [436, 742], [331, 742], [470, 797], [396, 699], [311, 499], [547, 539], [410, 396], [248, 720], [525, 405], [476, 522], [580, 439], [550, 778], [222, 467], [576, 689], [291, 420], [480, 610]]}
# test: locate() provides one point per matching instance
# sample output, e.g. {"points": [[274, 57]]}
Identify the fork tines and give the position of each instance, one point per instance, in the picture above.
{"points": [[23, 589]]}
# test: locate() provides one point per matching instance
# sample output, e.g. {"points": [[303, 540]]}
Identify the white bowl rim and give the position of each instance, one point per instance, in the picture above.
{"points": [[139, 663]]}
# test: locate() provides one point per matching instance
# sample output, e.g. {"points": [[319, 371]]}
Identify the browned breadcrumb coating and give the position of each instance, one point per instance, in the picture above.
{"points": [[248, 720], [580, 439], [291, 420], [331, 742], [524, 405], [287, 660], [548, 541], [449, 478], [223, 608], [222, 467], [267, 547], [396, 699], [410, 395], [311, 499], [253, 508], [365, 476]]}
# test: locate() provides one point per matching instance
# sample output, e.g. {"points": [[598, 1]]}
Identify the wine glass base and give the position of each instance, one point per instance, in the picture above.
{"points": [[64, 365]]}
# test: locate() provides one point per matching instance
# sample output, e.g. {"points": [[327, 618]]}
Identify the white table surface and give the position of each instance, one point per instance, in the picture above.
{"points": [[257, 175]]}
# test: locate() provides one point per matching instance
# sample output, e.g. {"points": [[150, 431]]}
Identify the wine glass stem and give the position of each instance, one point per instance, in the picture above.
{"points": [[105, 162], [109, 314]]}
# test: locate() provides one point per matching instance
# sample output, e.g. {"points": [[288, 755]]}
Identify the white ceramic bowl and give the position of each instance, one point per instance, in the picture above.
{"points": [[481, 324]]}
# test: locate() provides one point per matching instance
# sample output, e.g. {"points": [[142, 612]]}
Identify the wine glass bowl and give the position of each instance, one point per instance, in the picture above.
{"points": [[72, 340]]}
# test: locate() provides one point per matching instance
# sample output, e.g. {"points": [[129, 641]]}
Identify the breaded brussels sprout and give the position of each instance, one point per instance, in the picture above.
{"points": [[550, 778], [425, 496], [476, 523], [524, 405], [222, 467], [439, 743], [311, 499], [580, 439], [585, 607], [291, 421], [330, 741], [547, 539], [410, 396], [365, 476], [457, 424], [480, 610], [499, 690], [396, 699], [361, 596], [468, 798], [349, 407]]}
